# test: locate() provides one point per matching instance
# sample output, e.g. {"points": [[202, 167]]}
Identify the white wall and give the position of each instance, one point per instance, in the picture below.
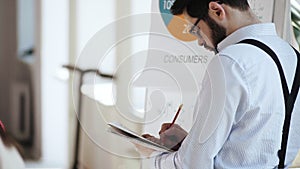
{"points": [[54, 53], [87, 17], [91, 17]]}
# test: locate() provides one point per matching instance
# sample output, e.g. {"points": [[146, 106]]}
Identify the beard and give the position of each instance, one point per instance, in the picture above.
{"points": [[218, 33]]}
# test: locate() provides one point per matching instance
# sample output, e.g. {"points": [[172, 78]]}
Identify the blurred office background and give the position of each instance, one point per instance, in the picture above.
{"points": [[36, 104], [37, 99]]}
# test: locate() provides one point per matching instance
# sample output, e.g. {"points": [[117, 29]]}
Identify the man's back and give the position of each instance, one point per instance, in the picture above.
{"points": [[266, 98]]}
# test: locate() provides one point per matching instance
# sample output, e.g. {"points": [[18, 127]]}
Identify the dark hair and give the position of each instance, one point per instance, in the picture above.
{"points": [[199, 8]]}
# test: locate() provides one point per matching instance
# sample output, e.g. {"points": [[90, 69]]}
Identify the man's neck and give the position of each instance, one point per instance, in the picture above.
{"points": [[241, 19]]}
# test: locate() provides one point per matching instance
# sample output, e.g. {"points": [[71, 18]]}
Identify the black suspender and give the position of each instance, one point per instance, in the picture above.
{"points": [[289, 98]]}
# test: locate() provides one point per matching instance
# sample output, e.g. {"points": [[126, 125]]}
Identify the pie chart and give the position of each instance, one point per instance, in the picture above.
{"points": [[176, 25]]}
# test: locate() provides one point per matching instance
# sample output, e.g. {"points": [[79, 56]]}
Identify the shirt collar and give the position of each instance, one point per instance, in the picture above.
{"points": [[250, 31]]}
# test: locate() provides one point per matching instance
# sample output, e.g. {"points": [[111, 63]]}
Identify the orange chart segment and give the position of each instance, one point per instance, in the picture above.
{"points": [[178, 28]]}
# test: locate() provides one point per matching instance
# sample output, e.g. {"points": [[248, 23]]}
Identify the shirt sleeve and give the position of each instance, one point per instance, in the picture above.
{"points": [[167, 161], [162, 161], [223, 88]]}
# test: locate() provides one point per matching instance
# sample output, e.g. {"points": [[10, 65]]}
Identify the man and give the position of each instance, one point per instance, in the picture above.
{"points": [[239, 112]]}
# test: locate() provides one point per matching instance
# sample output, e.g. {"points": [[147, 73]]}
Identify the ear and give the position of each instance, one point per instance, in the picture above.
{"points": [[216, 10]]}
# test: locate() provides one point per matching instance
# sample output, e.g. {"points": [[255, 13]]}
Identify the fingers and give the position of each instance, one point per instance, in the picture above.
{"points": [[167, 129], [173, 136], [164, 127], [146, 135], [152, 138]]}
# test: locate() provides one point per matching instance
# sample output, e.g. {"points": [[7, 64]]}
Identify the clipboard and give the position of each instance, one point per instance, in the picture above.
{"points": [[122, 131]]}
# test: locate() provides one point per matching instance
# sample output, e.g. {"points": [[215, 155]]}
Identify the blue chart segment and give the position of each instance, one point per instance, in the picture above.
{"points": [[165, 6]]}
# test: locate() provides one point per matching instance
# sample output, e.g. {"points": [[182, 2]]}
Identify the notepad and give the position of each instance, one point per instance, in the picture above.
{"points": [[122, 131]]}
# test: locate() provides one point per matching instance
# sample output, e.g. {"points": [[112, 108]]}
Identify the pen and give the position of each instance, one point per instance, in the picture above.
{"points": [[177, 113]]}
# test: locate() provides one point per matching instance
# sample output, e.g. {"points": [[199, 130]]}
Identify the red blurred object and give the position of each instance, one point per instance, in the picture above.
{"points": [[2, 126]]}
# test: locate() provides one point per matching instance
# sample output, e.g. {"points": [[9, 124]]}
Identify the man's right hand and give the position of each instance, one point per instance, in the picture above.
{"points": [[172, 136]]}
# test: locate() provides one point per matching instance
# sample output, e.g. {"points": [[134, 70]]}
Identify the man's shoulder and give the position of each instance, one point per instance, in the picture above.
{"points": [[243, 54]]}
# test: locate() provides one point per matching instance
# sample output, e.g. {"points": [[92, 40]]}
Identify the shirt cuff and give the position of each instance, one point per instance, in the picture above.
{"points": [[166, 161]]}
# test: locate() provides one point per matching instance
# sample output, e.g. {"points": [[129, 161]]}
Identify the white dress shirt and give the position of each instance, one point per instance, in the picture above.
{"points": [[239, 112]]}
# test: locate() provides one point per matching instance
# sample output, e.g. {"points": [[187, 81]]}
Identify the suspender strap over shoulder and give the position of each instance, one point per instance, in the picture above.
{"points": [[289, 98]]}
